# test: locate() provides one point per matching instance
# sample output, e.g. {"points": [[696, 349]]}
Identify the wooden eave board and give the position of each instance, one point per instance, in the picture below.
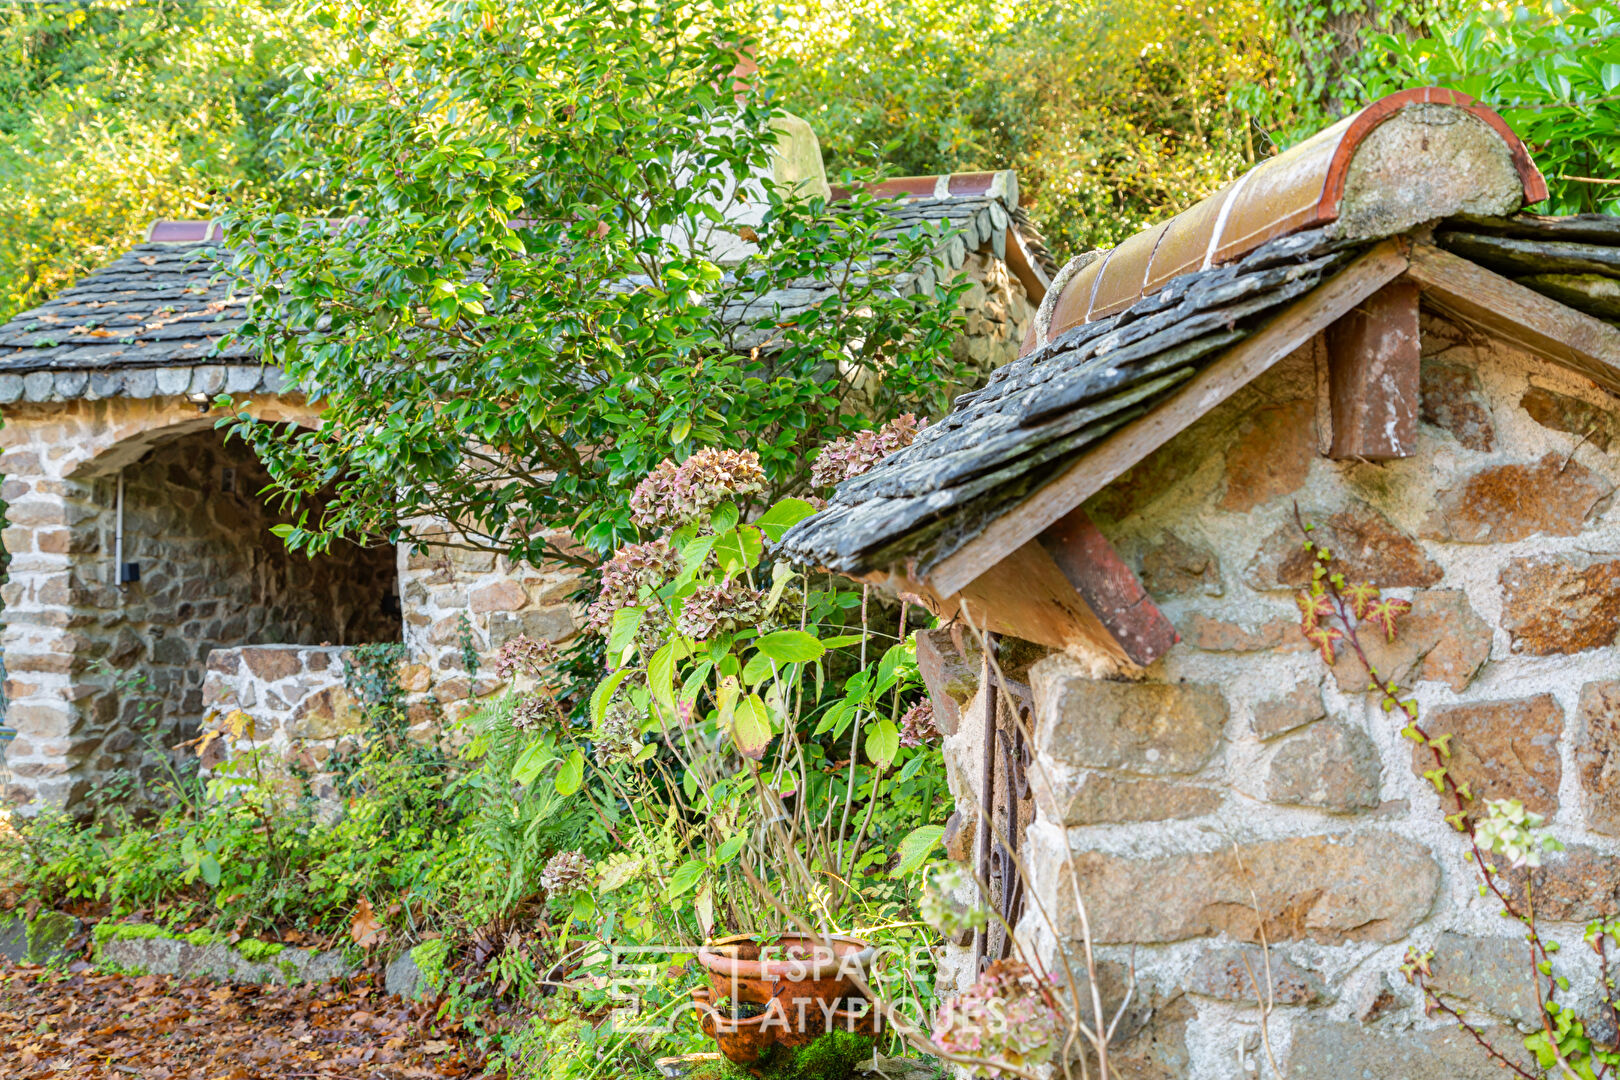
{"points": [[1519, 316], [1287, 331]]}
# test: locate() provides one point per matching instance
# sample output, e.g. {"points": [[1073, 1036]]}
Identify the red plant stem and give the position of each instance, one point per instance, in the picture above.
{"points": [[1432, 998], [1391, 702]]}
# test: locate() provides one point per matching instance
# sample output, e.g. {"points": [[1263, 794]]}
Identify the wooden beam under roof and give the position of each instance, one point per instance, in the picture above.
{"points": [[1519, 316], [1373, 357], [1287, 331]]}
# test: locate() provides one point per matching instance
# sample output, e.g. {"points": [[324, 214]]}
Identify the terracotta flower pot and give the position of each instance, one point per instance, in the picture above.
{"points": [[795, 968]]}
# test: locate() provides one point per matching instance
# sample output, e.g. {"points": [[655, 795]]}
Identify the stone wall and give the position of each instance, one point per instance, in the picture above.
{"points": [[210, 574], [458, 599], [300, 708], [1241, 784], [996, 313]]}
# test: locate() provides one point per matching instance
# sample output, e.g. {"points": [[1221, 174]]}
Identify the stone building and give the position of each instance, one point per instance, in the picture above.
{"points": [[1364, 328], [144, 587]]}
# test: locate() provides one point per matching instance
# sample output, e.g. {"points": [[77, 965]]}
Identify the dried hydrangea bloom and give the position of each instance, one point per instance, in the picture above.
{"points": [[673, 494], [618, 737], [843, 458], [566, 872], [713, 609], [535, 711], [524, 656], [630, 578], [917, 725], [1007, 1018]]}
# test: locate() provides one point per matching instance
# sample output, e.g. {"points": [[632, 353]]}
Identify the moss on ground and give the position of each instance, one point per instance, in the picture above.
{"points": [[256, 951], [836, 1055]]}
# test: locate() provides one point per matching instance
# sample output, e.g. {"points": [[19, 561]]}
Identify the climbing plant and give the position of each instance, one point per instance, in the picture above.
{"points": [[1504, 841]]}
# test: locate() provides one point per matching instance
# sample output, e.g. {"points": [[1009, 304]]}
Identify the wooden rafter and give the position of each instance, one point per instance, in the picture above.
{"points": [[1512, 313]]}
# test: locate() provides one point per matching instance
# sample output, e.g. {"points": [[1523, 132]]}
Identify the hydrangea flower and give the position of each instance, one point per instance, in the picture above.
{"points": [[675, 494], [523, 655], [618, 737], [630, 578], [917, 725], [713, 609], [566, 872], [534, 711], [843, 458], [1007, 1018]]}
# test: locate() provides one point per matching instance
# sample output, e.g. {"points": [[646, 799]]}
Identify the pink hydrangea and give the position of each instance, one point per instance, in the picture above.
{"points": [[675, 494], [635, 572], [917, 725], [1008, 1020], [843, 458], [523, 655], [535, 711], [713, 609]]}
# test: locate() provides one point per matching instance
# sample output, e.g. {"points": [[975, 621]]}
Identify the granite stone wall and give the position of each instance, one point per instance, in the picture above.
{"points": [[1240, 784]]}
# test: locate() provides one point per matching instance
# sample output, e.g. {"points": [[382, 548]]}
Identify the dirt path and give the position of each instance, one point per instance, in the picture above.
{"points": [[112, 1027]]}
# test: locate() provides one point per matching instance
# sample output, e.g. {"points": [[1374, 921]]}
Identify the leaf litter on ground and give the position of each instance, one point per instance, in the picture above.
{"points": [[91, 1025]]}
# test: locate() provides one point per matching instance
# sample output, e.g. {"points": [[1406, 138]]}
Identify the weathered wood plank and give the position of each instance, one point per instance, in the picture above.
{"points": [[1287, 331], [1517, 256], [1109, 587], [1517, 315], [1026, 596], [1590, 228], [1373, 356]]}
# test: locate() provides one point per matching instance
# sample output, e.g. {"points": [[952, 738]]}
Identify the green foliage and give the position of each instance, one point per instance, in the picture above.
{"points": [[114, 114], [521, 309], [1552, 69], [1115, 115], [1334, 57]]}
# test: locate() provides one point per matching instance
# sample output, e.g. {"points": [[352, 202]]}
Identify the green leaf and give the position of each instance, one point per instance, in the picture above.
{"points": [[724, 518], [208, 866], [684, 879], [739, 549], [661, 676], [882, 742], [535, 757], [751, 727], [572, 773], [732, 845], [604, 694], [783, 516], [790, 646], [915, 848], [626, 621]]}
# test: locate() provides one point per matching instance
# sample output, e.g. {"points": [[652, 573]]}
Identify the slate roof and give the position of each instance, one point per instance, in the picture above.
{"points": [[155, 306], [160, 307], [1046, 408]]}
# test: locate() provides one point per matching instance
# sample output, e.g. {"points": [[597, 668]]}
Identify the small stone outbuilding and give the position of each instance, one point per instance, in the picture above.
{"points": [[1365, 328], [145, 590]]}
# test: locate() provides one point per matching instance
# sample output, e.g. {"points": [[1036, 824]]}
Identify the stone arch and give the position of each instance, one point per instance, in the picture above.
{"points": [[211, 576]]}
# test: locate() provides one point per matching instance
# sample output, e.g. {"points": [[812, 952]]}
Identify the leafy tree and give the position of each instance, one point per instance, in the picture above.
{"points": [[114, 114], [522, 309], [1115, 115], [1552, 70]]}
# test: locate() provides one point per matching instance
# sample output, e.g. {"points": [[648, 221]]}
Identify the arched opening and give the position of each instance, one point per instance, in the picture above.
{"points": [[179, 560]]}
